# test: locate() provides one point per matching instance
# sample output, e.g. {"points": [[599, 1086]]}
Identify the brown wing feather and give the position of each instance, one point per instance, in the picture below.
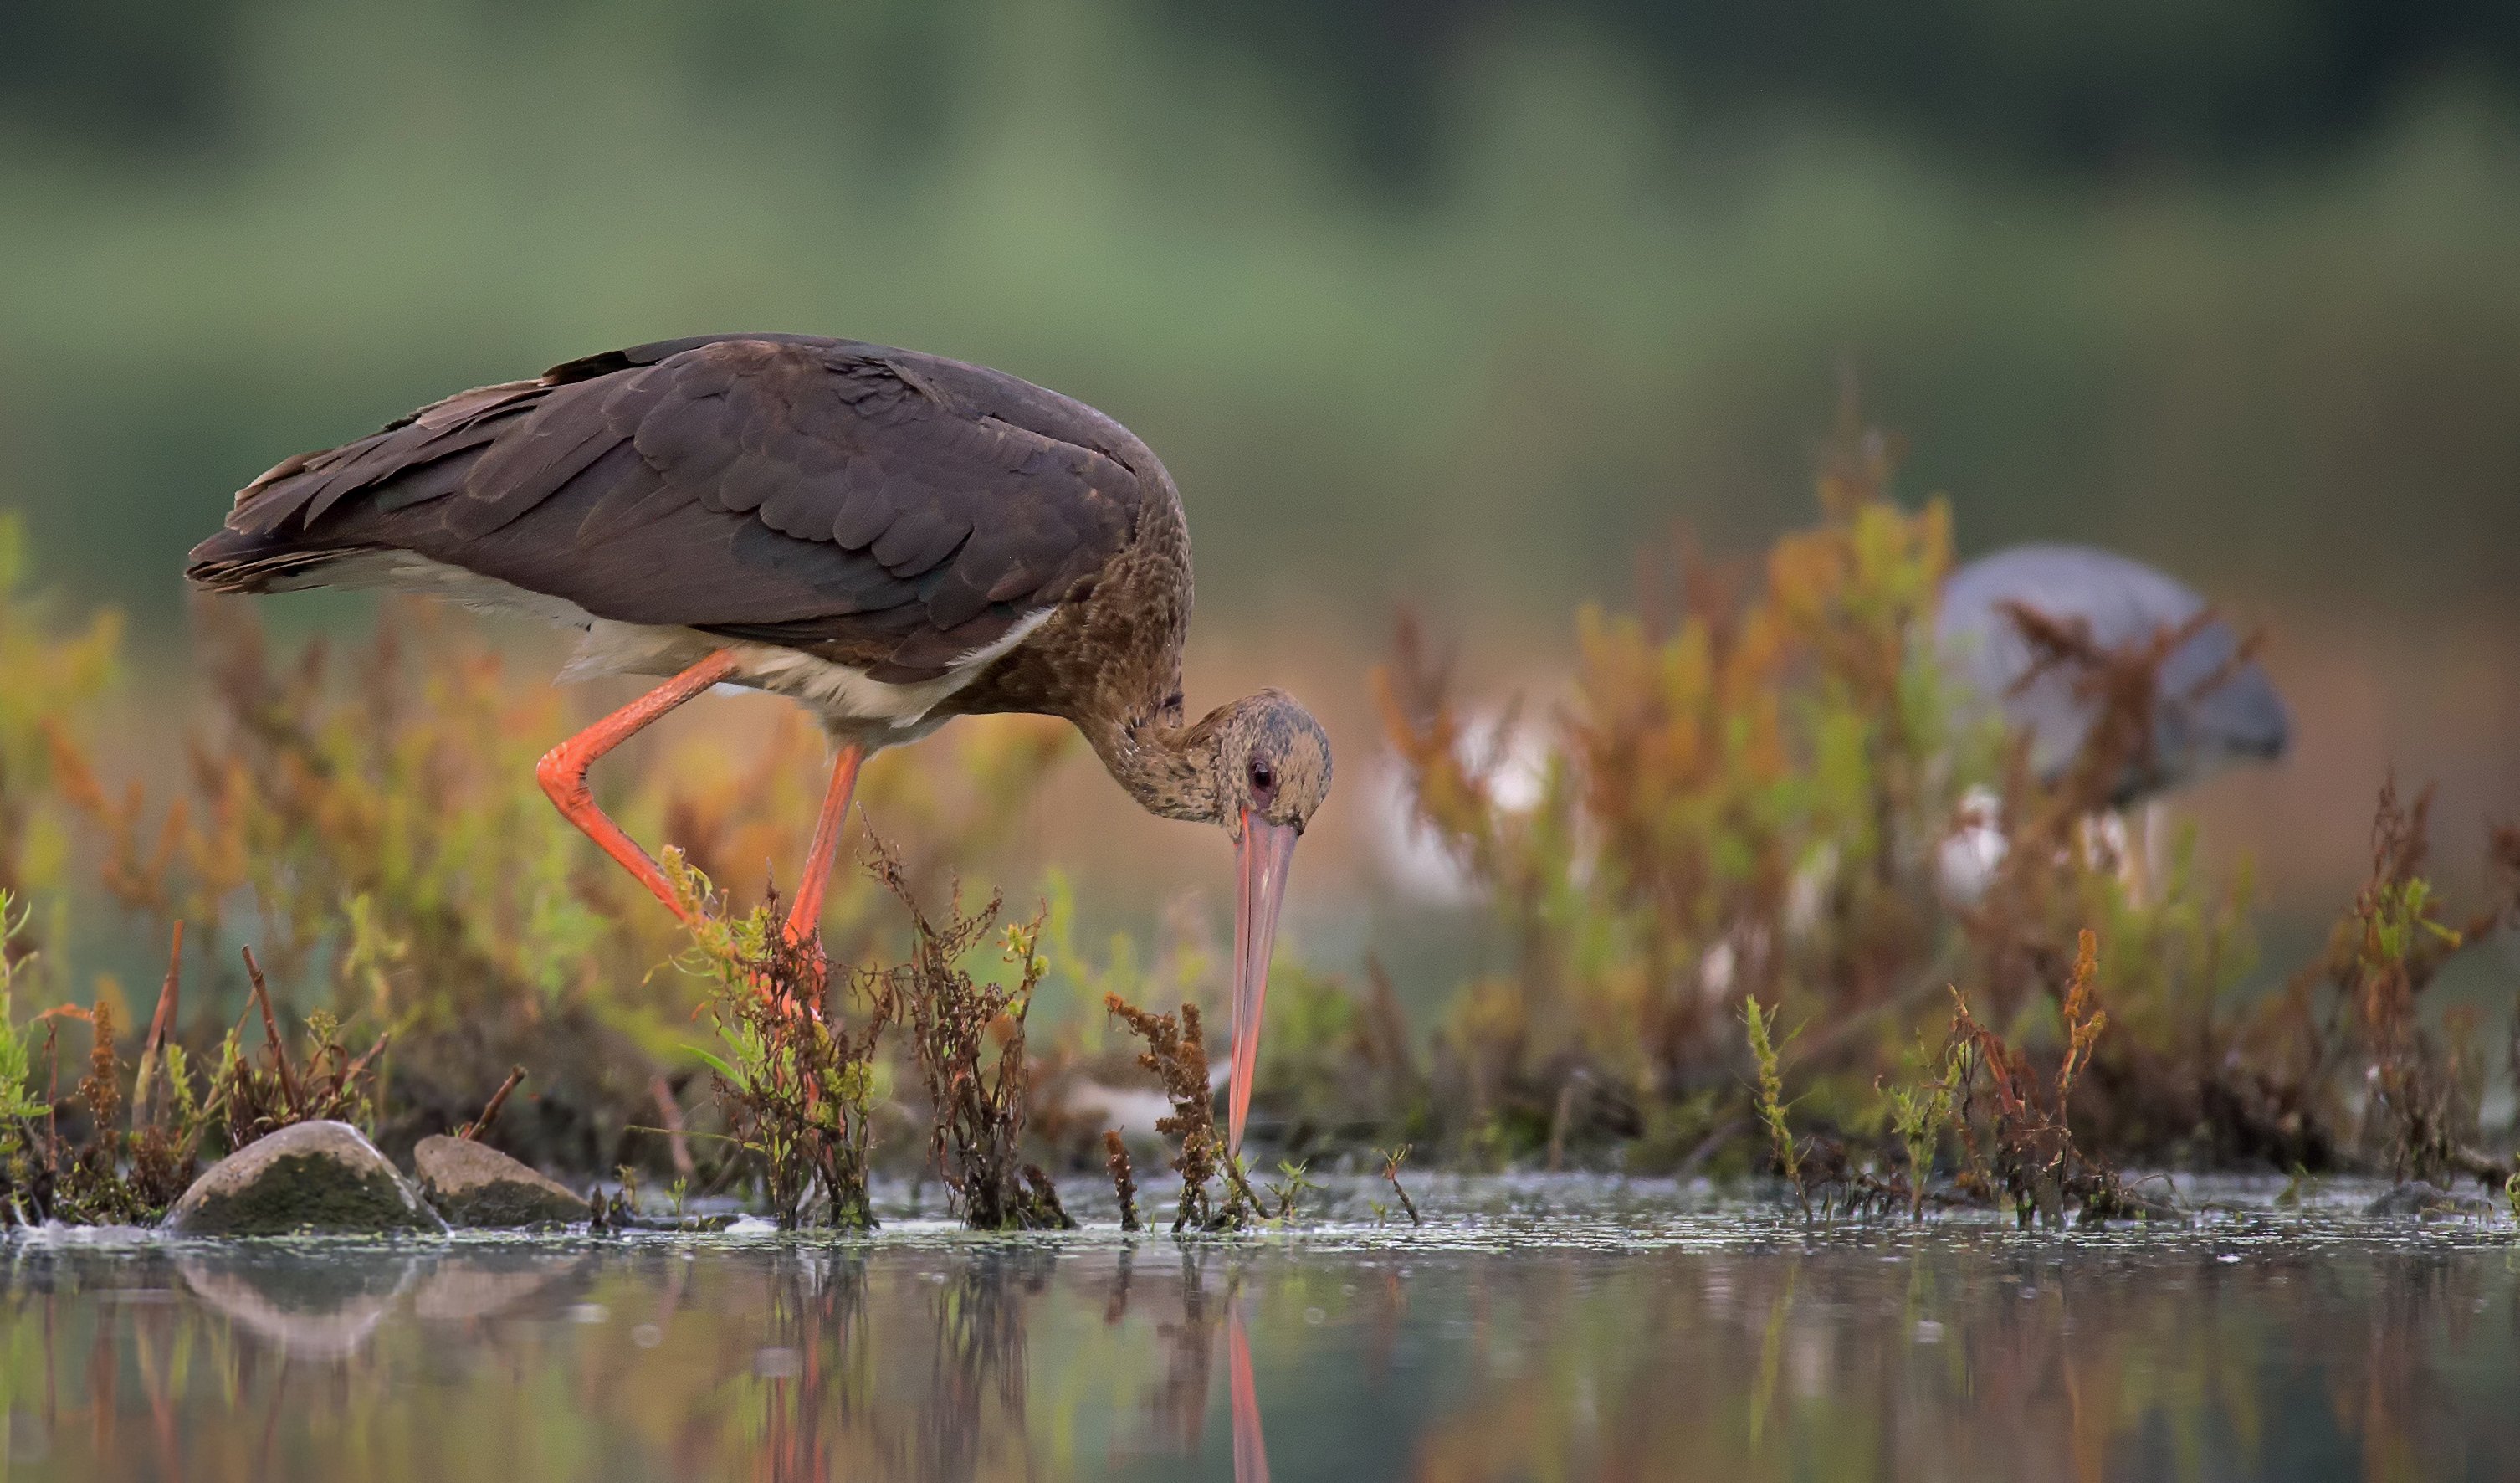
{"points": [[886, 507]]}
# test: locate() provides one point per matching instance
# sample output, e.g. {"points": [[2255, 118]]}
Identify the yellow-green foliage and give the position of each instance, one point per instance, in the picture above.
{"points": [[370, 820], [16, 1100], [1770, 1097], [374, 824], [383, 814], [1738, 799], [798, 1085], [1920, 1113], [1744, 794]]}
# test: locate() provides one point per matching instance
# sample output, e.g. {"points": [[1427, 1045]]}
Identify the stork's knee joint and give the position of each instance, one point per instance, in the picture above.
{"points": [[562, 776]]}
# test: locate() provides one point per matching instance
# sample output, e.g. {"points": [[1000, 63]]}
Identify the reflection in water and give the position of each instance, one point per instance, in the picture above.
{"points": [[1177, 1404], [1671, 1348], [324, 1313], [1250, 1452], [463, 1288]]}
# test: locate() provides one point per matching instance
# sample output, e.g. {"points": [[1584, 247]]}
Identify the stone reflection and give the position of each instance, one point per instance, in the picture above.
{"points": [[328, 1306], [306, 1310], [469, 1289]]}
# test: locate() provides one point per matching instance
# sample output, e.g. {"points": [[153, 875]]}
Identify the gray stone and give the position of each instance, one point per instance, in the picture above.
{"points": [[2418, 1199], [320, 1178], [474, 1184]]}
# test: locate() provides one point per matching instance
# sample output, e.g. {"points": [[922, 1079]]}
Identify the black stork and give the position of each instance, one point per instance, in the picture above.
{"points": [[890, 539]]}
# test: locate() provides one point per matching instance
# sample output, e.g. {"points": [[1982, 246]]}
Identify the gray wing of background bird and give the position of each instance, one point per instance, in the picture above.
{"points": [[2201, 720], [884, 508]]}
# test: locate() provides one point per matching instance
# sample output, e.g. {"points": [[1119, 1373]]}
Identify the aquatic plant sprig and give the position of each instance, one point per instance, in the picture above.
{"points": [[1919, 1114], [256, 1098], [2036, 1162], [133, 1159], [16, 1103], [1769, 1098], [967, 1039], [1124, 1179], [1176, 1051], [797, 1086], [1293, 1187]]}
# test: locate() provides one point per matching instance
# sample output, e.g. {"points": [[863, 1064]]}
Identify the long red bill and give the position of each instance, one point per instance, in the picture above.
{"points": [[1261, 863]]}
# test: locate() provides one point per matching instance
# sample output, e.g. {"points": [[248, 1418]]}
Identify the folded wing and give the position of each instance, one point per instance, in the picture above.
{"points": [[886, 509]]}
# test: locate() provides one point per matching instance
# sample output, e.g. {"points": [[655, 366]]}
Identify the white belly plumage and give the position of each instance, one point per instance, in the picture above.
{"points": [[875, 712]]}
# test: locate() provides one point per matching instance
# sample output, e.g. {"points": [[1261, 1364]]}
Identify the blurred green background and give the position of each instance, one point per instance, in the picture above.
{"points": [[1452, 301]]}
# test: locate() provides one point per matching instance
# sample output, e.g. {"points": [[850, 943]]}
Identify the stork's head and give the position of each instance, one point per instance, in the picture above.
{"points": [[1272, 765], [1268, 773], [2215, 706]]}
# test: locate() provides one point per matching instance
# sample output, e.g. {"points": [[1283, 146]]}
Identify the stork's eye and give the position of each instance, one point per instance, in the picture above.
{"points": [[1264, 779]]}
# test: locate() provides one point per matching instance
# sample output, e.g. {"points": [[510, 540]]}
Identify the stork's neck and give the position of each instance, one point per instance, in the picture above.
{"points": [[1170, 770]]}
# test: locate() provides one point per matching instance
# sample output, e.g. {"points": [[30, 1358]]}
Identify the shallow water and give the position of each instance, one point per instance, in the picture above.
{"points": [[1538, 1329]]}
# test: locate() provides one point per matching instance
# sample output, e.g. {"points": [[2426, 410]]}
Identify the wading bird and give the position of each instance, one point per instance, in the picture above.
{"points": [[890, 539], [2211, 705]]}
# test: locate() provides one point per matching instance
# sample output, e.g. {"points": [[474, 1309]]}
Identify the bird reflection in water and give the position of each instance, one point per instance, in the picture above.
{"points": [[1178, 1405], [1250, 1448]]}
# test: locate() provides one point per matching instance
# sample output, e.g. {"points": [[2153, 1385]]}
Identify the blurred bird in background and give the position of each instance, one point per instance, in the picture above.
{"points": [[2003, 622], [2212, 704]]}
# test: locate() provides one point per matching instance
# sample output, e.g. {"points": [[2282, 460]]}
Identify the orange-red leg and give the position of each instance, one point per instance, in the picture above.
{"points": [[562, 769], [805, 914]]}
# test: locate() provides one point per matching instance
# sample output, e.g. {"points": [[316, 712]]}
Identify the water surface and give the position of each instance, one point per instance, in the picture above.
{"points": [[1532, 1329]]}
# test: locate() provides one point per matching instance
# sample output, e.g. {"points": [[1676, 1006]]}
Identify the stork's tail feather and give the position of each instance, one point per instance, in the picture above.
{"points": [[236, 561]]}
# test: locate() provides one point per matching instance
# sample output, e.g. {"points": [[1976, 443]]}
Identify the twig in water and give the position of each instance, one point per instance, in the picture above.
{"points": [[472, 1131], [271, 1032], [144, 1091], [1392, 1159]]}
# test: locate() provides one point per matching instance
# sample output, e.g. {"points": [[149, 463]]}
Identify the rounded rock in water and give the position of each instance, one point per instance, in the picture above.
{"points": [[319, 1178], [474, 1184]]}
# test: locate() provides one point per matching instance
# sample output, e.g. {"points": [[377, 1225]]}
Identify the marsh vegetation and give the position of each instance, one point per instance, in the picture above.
{"points": [[1775, 901]]}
